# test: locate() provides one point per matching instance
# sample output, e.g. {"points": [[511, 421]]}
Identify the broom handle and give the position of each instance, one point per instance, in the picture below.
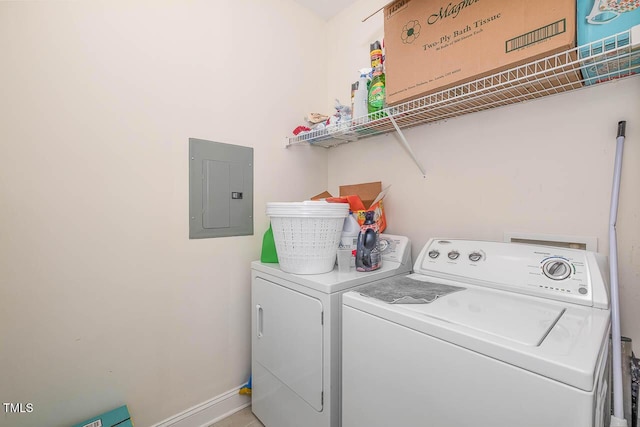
{"points": [[618, 407]]}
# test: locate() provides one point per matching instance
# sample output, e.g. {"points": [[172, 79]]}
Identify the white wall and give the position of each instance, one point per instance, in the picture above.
{"points": [[103, 298], [544, 166]]}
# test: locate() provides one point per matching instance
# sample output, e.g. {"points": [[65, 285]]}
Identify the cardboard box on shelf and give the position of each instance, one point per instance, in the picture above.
{"points": [[432, 45], [118, 417], [361, 198], [602, 19]]}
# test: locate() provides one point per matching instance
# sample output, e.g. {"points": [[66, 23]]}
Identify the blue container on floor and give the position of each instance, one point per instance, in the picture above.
{"points": [[117, 417]]}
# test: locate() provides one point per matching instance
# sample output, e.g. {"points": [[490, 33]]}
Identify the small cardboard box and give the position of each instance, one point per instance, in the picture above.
{"points": [[605, 19], [118, 417], [361, 198], [435, 44]]}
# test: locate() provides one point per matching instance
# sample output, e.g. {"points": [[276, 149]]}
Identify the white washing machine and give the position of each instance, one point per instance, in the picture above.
{"points": [[295, 340], [513, 335]]}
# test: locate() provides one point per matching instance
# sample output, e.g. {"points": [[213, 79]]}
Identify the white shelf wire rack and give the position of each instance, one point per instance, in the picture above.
{"points": [[605, 60]]}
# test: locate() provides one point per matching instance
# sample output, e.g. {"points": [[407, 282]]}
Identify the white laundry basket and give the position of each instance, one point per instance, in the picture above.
{"points": [[307, 234]]}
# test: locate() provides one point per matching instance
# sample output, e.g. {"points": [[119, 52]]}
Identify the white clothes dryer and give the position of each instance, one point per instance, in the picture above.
{"points": [[296, 326], [481, 334]]}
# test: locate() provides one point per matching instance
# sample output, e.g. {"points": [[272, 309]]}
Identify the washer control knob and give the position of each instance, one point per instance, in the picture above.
{"points": [[434, 253], [556, 269], [475, 256], [453, 255]]}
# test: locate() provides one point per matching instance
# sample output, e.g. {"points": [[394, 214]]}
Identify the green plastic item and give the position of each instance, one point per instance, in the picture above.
{"points": [[269, 253]]}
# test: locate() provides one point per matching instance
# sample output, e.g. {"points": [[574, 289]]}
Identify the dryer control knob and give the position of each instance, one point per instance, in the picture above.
{"points": [[475, 256], [433, 253], [556, 269], [453, 255]]}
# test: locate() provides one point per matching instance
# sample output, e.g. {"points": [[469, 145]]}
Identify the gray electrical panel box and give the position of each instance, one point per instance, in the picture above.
{"points": [[220, 189]]}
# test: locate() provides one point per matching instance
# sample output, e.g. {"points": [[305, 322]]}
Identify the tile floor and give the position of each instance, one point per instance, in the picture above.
{"points": [[242, 418]]}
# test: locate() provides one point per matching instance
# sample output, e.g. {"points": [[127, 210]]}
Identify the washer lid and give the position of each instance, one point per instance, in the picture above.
{"points": [[554, 339], [501, 315]]}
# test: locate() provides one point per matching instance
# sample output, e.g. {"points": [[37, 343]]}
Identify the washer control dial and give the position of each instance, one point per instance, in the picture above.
{"points": [[453, 255], [434, 253], [556, 269], [475, 256]]}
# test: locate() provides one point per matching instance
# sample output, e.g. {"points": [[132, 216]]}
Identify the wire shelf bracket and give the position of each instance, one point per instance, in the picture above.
{"points": [[406, 145]]}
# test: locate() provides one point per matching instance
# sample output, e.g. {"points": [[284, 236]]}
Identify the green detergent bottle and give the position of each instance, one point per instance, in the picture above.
{"points": [[377, 94]]}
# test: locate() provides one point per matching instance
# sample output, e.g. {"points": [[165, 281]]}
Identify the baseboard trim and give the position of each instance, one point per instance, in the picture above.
{"points": [[209, 412]]}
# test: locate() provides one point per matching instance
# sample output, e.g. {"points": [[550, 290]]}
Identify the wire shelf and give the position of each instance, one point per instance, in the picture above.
{"points": [[611, 58]]}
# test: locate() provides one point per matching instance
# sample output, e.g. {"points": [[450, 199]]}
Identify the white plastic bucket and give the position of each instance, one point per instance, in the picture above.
{"points": [[307, 234]]}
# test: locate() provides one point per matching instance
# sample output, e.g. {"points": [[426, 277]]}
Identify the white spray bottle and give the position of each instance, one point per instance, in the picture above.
{"points": [[360, 100]]}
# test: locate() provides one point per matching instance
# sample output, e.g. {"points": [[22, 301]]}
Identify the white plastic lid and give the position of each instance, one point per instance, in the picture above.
{"points": [[308, 208], [351, 226]]}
